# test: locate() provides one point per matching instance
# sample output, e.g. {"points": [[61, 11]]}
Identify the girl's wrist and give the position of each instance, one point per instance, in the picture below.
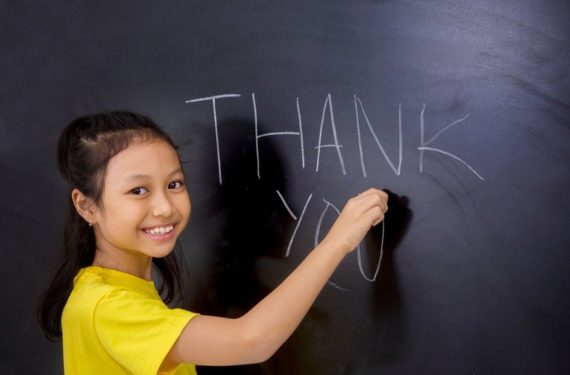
{"points": [[335, 247]]}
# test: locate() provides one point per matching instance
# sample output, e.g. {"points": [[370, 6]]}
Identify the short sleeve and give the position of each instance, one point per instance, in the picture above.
{"points": [[138, 331]]}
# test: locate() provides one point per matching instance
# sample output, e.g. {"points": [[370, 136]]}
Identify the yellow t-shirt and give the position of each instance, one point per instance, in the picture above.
{"points": [[116, 323]]}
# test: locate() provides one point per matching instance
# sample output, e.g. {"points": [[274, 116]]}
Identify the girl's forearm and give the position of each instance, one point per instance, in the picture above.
{"points": [[258, 334], [275, 318]]}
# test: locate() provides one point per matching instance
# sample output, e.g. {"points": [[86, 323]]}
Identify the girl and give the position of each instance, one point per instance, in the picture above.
{"points": [[128, 206]]}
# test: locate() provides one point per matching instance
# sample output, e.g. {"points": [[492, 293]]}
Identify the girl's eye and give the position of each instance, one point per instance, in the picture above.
{"points": [[138, 191], [176, 184]]}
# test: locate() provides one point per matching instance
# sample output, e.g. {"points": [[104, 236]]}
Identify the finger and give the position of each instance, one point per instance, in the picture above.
{"points": [[376, 197], [373, 191], [383, 204], [385, 197], [370, 191], [375, 215], [368, 199]]}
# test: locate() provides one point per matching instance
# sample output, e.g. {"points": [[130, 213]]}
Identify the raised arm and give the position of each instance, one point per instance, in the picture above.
{"points": [[254, 337]]}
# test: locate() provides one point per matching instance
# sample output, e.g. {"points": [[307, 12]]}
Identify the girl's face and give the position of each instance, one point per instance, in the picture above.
{"points": [[144, 204]]}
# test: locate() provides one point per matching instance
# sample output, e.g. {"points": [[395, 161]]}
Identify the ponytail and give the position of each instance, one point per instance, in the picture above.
{"points": [[78, 250]]}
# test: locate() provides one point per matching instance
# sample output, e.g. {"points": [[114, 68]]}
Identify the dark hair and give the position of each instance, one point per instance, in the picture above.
{"points": [[84, 149]]}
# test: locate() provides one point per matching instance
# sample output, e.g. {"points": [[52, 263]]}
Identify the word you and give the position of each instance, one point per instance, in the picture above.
{"points": [[362, 121], [329, 205]]}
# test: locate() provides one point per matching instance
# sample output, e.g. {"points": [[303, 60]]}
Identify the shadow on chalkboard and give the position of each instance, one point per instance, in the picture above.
{"points": [[390, 320], [249, 222], [252, 223]]}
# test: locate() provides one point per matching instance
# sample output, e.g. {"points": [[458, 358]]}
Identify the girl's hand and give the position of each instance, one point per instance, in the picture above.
{"points": [[358, 215]]}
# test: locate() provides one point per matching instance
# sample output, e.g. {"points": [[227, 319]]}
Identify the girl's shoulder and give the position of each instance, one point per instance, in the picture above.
{"points": [[89, 287], [94, 285]]}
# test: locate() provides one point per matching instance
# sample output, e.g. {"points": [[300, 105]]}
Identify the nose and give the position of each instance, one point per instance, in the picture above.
{"points": [[161, 205]]}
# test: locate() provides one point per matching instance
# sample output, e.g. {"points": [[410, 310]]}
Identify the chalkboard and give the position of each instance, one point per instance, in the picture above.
{"points": [[283, 111]]}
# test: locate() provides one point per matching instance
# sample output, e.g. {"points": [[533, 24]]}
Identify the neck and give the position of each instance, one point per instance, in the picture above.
{"points": [[139, 266]]}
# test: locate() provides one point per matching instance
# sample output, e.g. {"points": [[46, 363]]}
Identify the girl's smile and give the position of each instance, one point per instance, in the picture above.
{"points": [[161, 232]]}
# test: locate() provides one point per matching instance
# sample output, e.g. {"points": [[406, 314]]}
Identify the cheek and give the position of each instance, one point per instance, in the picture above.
{"points": [[184, 206], [125, 216], [188, 206]]}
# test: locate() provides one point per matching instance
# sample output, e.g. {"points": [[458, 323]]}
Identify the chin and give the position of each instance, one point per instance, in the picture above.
{"points": [[160, 253]]}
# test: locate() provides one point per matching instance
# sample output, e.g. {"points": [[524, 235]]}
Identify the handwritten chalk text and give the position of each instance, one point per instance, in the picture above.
{"points": [[328, 124]]}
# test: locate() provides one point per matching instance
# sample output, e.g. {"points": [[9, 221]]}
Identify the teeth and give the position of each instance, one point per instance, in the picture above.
{"points": [[160, 230]]}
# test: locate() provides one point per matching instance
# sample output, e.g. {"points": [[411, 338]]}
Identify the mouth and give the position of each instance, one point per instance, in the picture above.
{"points": [[163, 232]]}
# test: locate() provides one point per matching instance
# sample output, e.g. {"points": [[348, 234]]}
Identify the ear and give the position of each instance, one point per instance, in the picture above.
{"points": [[84, 206]]}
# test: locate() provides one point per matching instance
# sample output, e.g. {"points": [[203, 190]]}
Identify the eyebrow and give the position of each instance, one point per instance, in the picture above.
{"points": [[142, 176]]}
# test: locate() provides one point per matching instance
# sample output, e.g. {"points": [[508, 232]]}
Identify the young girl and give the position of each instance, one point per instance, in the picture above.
{"points": [[128, 206]]}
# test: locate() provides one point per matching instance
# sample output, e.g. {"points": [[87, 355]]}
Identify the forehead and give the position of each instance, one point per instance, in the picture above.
{"points": [[153, 158]]}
